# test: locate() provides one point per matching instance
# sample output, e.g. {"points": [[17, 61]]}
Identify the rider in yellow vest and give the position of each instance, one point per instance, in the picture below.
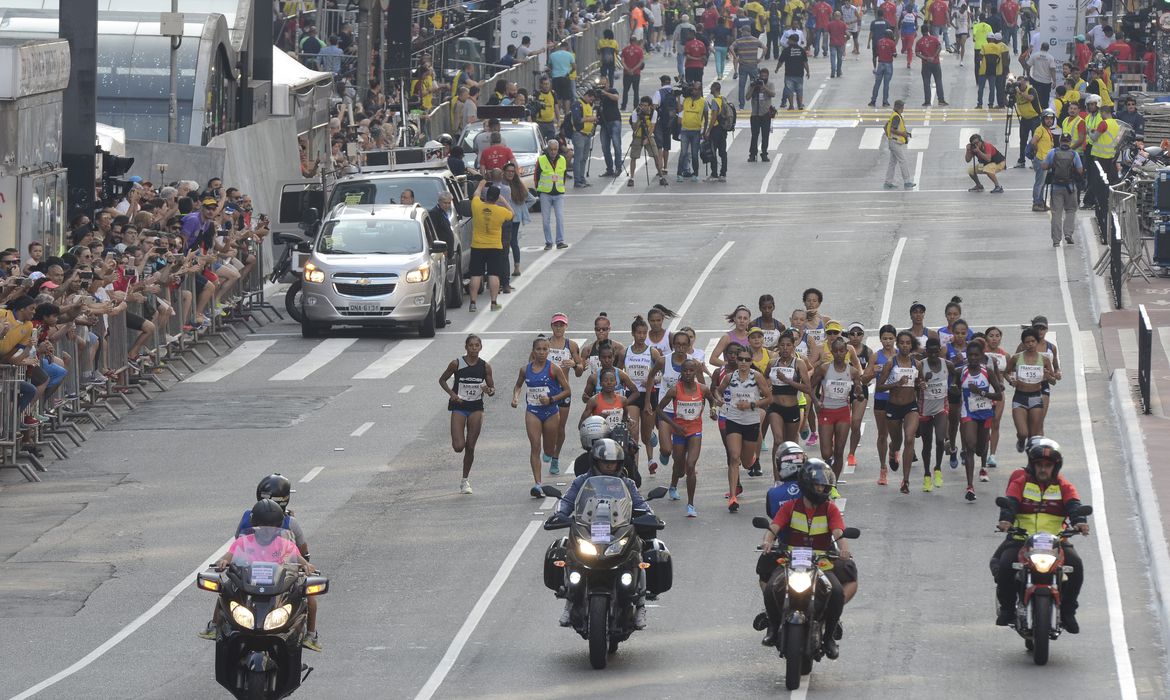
{"points": [[1074, 126], [1041, 501], [1105, 135]]}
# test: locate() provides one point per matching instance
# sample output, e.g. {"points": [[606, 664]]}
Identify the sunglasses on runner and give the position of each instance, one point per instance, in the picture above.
{"points": [[744, 359], [856, 332]]}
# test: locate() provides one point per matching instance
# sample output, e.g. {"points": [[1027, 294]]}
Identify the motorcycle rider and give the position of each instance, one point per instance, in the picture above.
{"points": [[595, 428], [814, 521], [277, 488], [608, 458], [789, 458], [1043, 500]]}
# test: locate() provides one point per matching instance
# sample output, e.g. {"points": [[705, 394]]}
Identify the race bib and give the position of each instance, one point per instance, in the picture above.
{"points": [[471, 391], [690, 410], [745, 394], [771, 338], [560, 357], [817, 335], [997, 360], [668, 382], [899, 372], [613, 416], [594, 363], [976, 404], [837, 388], [788, 373], [801, 556], [638, 373], [1032, 374], [936, 390], [535, 393]]}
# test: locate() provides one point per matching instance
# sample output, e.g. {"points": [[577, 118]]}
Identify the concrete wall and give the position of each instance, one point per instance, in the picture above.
{"points": [[184, 162]]}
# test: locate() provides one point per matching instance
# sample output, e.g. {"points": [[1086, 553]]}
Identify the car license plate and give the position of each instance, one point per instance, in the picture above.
{"points": [[367, 308]]}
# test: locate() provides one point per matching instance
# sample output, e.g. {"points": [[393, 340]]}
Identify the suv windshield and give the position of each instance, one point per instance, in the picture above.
{"points": [[388, 191], [519, 140], [372, 236]]}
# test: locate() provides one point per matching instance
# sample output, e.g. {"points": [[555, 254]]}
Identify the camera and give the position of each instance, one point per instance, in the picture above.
{"points": [[1011, 88]]}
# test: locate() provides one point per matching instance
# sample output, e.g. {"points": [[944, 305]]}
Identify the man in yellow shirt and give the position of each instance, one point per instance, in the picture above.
{"points": [[489, 213], [1042, 141]]}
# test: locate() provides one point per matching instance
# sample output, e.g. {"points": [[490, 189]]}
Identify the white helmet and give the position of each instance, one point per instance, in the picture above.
{"points": [[1093, 100], [607, 450], [593, 429]]}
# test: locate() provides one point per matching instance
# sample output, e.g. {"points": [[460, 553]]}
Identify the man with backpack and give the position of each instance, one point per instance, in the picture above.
{"points": [[1064, 171], [666, 105], [721, 123]]}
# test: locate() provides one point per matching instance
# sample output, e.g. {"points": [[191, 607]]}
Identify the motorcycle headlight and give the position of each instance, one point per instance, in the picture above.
{"points": [[277, 618], [422, 274], [243, 616], [800, 581], [586, 548], [1042, 561], [616, 547]]}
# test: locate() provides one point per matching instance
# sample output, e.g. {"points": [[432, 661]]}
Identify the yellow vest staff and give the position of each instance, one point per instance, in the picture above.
{"points": [[552, 176]]}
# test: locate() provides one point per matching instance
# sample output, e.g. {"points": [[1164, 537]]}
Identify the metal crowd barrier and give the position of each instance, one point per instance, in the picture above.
{"points": [[1145, 356], [11, 455]]}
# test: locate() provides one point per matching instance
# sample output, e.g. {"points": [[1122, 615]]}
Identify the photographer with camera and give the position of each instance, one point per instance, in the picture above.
{"points": [[985, 159], [643, 122], [583, 121], [762, 91], [1028, 108], [1042, 142], [666, 105]]}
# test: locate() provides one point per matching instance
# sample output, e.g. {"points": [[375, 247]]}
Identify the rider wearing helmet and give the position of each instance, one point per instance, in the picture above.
{"points": [[591, 430], [812, 520], [788, 458], [608, 460], [1041, 143], [1041, 502]]}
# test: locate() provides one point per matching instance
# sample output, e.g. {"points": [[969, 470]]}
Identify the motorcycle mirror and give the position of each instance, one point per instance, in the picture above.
{"points": [[760, 522], [551, 491], [316, 585], [656, 493], [1004, 502], [556, 522], [850, 533], [1083, 509]]}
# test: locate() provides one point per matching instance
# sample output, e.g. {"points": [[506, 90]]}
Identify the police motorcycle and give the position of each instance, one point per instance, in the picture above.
{"points": [[1039, 573], [263, 615], [806, 594], [608, 561]]}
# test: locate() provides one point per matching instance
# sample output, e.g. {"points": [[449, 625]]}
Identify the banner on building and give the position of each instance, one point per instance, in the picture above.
{"points": [[528, 18]]}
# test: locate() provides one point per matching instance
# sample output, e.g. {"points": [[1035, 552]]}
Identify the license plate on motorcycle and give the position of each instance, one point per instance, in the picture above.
{"points": [[600, 532], [802, 556], [367, 308], [263, 574]]}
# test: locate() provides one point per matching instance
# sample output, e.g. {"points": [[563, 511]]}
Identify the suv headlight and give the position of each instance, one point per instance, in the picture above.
{"points": [[312, 274], [422, 274]]}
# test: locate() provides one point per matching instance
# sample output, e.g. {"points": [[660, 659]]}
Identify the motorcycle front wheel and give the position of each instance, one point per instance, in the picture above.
{"points": [[598, 631], [1041, 628], [793, 655], [292, 300]]}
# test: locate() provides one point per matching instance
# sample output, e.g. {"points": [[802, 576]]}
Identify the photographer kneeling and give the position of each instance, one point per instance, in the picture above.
{"points": [[985, 159]]}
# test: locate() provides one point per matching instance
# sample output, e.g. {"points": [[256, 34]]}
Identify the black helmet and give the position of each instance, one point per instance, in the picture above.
{"points": [[620, 434], [267, 513], [276, 487], [816, 480], [446, 139], [790, 457], [1044, 448]]}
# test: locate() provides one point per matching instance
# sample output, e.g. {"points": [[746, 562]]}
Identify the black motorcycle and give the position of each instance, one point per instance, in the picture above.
{"points": [[806, 591], [297, 246], [262, 615], [609, 558], [1039, 573]]}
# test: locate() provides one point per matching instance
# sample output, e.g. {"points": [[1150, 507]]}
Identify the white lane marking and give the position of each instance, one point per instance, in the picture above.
{"points": [[1089, 351], [774, 143], [246, 352], [841, 503], [487, 318], [128, 630], [477, 613], [313, 473], [322, 354], [872, 139], [921, 139], [891, 279], [361, 429], [822, 139], [394, 359], [682, 310], [965, 135], [1129, 347], [406, 389], [1117, 634], [918, 171], [685, 192], [731, 137], [619, 181], [710, 349], [548, 502], [491, 347], [813, 102]]}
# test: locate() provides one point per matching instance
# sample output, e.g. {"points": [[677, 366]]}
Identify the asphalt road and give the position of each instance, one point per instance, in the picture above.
{"points": [[440, 595]]}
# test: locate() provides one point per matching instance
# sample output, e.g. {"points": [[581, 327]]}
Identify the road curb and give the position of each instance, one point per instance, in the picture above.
{"points": [[1148, 512]]}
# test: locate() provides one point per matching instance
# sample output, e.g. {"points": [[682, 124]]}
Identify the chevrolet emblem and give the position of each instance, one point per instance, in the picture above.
{"points": [[363, 281]]}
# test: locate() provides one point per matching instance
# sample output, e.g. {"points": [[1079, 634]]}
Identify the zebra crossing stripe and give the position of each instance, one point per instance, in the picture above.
{"points": [[920, 141], [871, 140], [822, 140]]}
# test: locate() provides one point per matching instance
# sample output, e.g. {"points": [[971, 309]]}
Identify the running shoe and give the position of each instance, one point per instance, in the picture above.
{"points": [[905, 486], [465, 487], [763, 446], [991, 462], [672, 493], [654, 439], [664, 458], [883, 477], [495, 306], [545, 458], [927, 484], [471, 307], [733, 506], [938, 478], [554, 466], [652, 467], [536, 491], [970, 493], [311, 642], [984, 476], [812, 439], [852, 461], [804, 434], [1019, 444], [691, 512], [954, 459], [738, 490], [209, 633], [893, 461]]}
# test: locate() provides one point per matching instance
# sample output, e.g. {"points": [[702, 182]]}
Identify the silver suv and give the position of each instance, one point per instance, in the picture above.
{"points": [[375, 265]]}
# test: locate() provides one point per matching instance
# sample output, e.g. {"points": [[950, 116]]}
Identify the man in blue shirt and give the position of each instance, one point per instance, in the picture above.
{"points": [[560, 66]]}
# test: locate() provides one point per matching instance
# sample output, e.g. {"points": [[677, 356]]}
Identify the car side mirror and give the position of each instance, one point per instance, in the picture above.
{"points": [[439, 246], [304, 247]]}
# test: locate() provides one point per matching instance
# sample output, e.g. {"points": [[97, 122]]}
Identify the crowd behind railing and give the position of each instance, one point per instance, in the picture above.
{"points": [[157, 278]]}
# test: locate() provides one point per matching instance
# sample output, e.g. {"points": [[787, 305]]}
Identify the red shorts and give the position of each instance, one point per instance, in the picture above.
{"points": [[830, 416], [986, 422]]}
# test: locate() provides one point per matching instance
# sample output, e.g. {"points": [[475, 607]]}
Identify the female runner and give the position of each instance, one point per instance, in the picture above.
{"points": [[789, 375], [671, 370], [771, 326], [643, 362], [997, 359], [886, 336], [855, 336], [1026, 372], [956, 351], [953, 312], [601, 329], [811, 354], [545, 386], [1047, 348], [761, 358], [917, 324], [607, 403], [938, 374], [742, 320], [835, 381], [981, 389], [658, 338], [748, 392], [815, 321], [566, 355], [473, 380], [902, 378], [685, 419]]}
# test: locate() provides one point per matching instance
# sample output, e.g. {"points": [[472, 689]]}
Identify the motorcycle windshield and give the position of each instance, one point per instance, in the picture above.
{"points": [[261, 553], [604, 500]]}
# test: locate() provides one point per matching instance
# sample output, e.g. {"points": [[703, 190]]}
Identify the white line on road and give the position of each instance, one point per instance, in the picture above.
{"points": [[406, 389], [771, 172], [619, 181], [477, 613], [361, 429], [548, 502], [313, 473], [490, 347], [871, 139], [1121, 657], [813, 102], [918, 171], [965, 137], [246, 352], [322, 354], [394, 359], [487, 318], [891, 278], [682, 310], [128, 630], [822, 140]]}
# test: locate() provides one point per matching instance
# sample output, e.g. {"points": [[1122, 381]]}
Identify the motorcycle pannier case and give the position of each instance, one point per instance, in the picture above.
{"points": [[554, 576], [660, 575]]}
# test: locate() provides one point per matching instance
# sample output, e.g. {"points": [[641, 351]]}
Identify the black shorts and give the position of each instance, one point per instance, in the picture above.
{"points": [[954, 396], [563, 87], [662, 138], [788, 414], [879, 405], [750, 432], [900, 411], [639, 403], [134, 321], [846, 570], [489, 261]]}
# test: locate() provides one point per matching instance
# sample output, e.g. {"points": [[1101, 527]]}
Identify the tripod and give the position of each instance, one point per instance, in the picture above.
{"points": [[1007, 132]]}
